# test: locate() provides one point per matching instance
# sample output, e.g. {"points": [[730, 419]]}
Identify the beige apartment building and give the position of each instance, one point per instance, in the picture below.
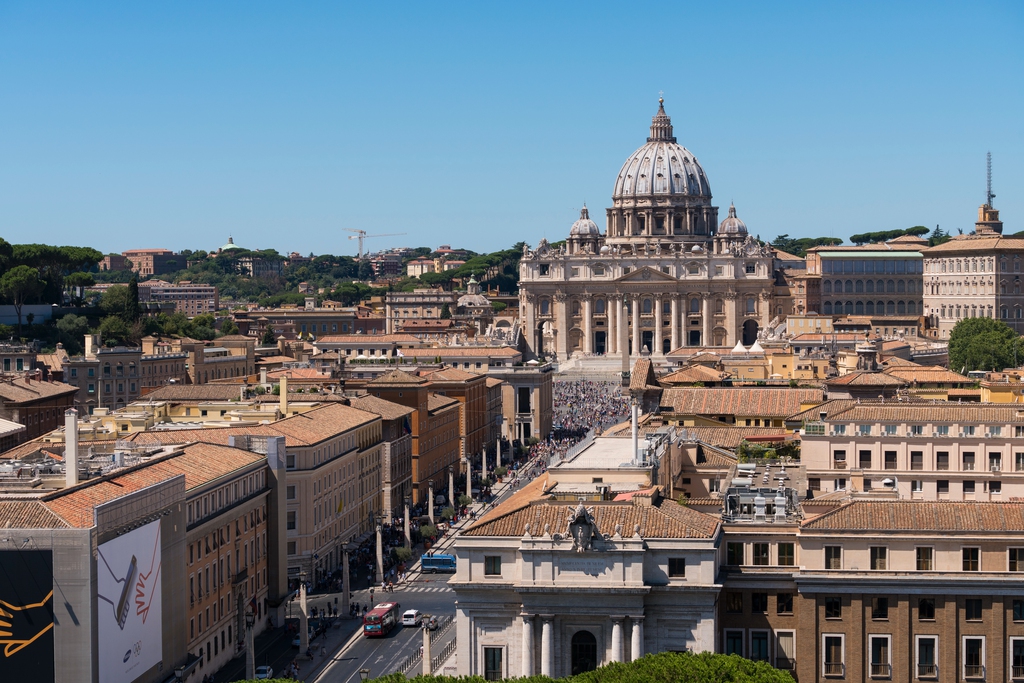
{"points": [[188, 298], [926, 451], [416, 305]]}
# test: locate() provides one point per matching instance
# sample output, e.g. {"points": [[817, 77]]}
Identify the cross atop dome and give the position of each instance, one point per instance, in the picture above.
{"points": [[661, 124]]}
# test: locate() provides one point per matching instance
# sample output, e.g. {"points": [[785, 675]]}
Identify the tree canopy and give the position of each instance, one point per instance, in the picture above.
{"points": [[21, 284], [984, 344], [799, 246], [886, 235], [678, 667]]}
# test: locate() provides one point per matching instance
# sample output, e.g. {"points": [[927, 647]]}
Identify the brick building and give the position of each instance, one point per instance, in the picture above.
{"points": [[36, 404]]}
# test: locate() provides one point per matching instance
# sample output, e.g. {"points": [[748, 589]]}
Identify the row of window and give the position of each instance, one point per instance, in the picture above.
{"points": [[973, 265], [970, 558], [870, 286], [871, 308], [871, 266], [963, 430], [760, 554], [225, 496], [968, 461], [969, 486]]}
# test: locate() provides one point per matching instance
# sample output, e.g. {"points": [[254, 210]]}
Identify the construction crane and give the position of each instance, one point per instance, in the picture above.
{"points": [[361, 235]]}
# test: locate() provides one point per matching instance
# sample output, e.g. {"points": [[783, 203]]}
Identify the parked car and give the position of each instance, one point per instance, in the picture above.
{"points": [[412, 617], [263, 673]]}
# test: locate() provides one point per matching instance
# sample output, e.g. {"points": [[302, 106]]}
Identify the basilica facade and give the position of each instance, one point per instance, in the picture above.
{"points": [[664, 274]]}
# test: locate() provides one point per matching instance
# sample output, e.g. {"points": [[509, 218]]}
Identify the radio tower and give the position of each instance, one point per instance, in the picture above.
{"points": [[989, 195]]}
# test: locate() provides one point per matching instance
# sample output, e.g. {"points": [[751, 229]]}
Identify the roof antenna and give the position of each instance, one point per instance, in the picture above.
{"points": [[989, 195]]}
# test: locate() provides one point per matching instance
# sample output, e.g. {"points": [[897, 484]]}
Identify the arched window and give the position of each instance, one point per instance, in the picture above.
{"points": [[859, 286], [912, 308], [869, 286], [599, 307], [648, 305], [880, 308], [849, 308], [890, 308], [1016, 311], [890, 286], [826, 287], [849, 286], [901, 286], [838, 287], [1003, 313], [545, 307], [880, 286], [751, 306], [858, 308], [719, 306], [828, 308], [694, 305], [901, 308], [869, 308], [583, 652], [575, 307]]}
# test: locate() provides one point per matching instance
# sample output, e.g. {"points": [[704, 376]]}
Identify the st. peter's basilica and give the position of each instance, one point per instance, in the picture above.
{"points": [[664, 274]]}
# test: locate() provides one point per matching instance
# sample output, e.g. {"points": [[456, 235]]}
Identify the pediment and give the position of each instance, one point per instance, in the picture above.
{"points": [[646, 274]]}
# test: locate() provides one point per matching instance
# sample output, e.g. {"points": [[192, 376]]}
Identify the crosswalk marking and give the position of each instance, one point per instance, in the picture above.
{"points": [[426, 589]]}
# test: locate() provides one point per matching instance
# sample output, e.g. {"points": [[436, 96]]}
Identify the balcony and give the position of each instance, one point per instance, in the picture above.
{"points": [[241, 576], [834, 669], [1017, 672], [881, 671], [974, 671], [927, 671], [839, 464]]}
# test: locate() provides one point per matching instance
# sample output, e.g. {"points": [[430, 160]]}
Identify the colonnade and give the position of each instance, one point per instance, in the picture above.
{"points": [[724, 310], [547, 642]]}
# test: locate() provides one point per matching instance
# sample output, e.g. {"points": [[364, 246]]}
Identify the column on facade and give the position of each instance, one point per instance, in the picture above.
{"points": [[611, 344], [674, 324], [731, 319], [636, 646], [546, 648], [527, 645], [588, 330], [562, 325], [637, 337], [529, 304], [706, 319], [658, 320], [616, 639]]}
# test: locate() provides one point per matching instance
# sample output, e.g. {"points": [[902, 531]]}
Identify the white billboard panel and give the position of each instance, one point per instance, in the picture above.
{"points": [[130, 629]]}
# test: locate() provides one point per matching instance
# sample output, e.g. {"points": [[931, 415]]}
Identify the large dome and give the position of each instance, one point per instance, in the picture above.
{"points": [[662, 167]]}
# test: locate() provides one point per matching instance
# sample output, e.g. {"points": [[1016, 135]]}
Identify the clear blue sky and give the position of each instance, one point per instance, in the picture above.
{"points": [[480, 124]]}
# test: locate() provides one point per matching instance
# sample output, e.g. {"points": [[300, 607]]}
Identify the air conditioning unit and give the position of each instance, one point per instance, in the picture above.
{"points": [[995, 468]]}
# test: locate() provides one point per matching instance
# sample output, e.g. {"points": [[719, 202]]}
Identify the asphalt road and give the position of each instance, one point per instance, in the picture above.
{"points": [[430, 595]]}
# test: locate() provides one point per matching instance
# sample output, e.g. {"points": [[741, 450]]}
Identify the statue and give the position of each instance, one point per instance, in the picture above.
{"points": [[581, 527]]}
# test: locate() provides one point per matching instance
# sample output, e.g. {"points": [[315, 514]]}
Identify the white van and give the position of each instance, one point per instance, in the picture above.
{"points": [[412, 617]]}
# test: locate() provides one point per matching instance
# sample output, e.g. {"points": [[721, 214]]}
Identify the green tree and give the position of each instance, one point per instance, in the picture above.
{"points": [[268, 338], [115, 301], [984, 344], [446, 312], [20, 284], [938, 236], [115, 331], [131, 302], [228, 327], [71, 330]]}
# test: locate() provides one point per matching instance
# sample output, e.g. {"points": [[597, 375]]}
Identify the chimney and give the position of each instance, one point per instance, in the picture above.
{"points": [[92, 342], [284, 396], [263, 376], [71, 445]]}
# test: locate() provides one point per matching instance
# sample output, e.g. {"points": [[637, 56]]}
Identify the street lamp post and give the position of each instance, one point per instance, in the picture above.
{"points": [[346, 586], [430, 501], [408, 537], [364, 674], [469, 479], [451, 485], [250, 656], [380, 550]]}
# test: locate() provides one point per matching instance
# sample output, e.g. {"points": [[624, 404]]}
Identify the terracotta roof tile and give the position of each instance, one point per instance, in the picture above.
{"points": [[692, 374], [396, 378], [29, 514], [928, 375], [194, 392], [437, 402], [668, 519], [866, 379], [904, 515], [730, 437], [386, 409], [22, 390], [200, 463], [737, 401]]}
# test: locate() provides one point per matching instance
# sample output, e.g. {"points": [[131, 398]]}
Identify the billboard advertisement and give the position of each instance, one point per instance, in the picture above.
{"points": [[26, 615], [129, 607]]}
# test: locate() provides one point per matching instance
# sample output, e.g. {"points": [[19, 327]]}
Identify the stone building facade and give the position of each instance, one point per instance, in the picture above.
{"points": [[664, 274]]}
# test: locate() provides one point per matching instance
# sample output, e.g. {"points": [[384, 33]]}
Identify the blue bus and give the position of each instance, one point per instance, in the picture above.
{"points": [[432, 564]]}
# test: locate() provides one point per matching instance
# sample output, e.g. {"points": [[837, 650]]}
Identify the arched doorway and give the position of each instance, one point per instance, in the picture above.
{"points": [[600, 342], [584, 652], [749, 332]]}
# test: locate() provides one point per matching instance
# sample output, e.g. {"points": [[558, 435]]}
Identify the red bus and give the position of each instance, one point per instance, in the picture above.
{"points": [[379, 621]]}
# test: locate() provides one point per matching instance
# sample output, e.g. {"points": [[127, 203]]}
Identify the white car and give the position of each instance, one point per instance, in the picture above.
{"points": [[412, 617], [263, 673]]}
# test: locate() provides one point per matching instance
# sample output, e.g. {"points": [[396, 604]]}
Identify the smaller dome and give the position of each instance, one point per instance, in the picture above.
{"points": [[605, 249], [230, 245], [584, 227], [696, 248], [732, 225]]}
